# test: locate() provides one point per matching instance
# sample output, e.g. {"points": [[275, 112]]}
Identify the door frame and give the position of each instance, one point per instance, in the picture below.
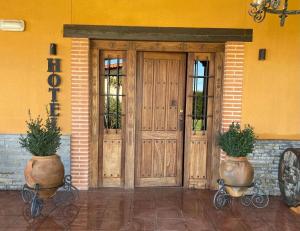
{"points": [[131, 48]]}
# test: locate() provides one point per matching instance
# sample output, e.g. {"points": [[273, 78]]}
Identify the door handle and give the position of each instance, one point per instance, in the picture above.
{"points": [[181, 120]]}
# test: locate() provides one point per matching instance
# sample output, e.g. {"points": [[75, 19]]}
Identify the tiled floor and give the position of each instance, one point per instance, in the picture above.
{"points": [[146, 209]]}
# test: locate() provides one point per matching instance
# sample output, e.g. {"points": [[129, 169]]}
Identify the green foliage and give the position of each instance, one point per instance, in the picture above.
{"points": [[237, 142], [197, 111], [113, 121], [114, 82], [42, 138], [198, 108]]}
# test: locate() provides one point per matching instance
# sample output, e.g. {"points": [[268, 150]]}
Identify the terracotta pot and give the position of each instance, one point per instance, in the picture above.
{"points": [[47, 171], [296, 209], [236, 171]]}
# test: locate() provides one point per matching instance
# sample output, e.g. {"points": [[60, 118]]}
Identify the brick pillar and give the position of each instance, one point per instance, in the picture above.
{"points": [[232, 84], [80, 112]]}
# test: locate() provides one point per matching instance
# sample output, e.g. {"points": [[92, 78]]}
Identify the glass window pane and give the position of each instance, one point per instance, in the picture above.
{"points": [[112, 113], [200, 84], [113, 93]]}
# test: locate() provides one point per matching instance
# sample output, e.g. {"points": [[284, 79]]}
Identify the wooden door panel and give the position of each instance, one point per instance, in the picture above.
{"points": [[158, 158], [160, 78], [148, 93], [155, 182], [171, 159], [111, 158], [198, 159], [172, 107], [159, 140], [159, 135], [146, 159]]}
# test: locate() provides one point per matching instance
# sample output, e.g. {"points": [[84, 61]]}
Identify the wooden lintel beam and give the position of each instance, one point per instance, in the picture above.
{"points": [[168, 34]]}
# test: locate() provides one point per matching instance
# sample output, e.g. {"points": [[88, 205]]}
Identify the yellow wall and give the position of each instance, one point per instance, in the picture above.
{"points": [[23, 65], [271, 100]]}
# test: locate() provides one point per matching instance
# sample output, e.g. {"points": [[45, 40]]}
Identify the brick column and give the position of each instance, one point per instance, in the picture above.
{"points": [[80, 112], [232, 84]]}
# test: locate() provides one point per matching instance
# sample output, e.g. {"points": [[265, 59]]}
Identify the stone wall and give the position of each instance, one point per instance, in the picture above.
{"points": [[265, 160], [13, 160]]}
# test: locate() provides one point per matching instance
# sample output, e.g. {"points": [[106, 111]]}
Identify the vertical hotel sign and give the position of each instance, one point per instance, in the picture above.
{"points": [[54, 81]]}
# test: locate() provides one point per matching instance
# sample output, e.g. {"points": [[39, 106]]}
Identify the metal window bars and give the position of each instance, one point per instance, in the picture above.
{"points": [[200, 95], [113, 72]]}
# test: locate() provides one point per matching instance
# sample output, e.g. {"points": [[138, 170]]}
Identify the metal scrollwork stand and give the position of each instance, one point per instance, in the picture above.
{"points": [[259, 199], [67, 195]]}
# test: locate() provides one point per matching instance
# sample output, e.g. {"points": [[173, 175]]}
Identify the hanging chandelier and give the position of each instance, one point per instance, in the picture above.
{"points": [[259, 8]]}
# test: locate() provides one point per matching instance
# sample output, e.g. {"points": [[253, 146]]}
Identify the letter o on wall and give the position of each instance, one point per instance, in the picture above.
{"points": [[54, 80]]}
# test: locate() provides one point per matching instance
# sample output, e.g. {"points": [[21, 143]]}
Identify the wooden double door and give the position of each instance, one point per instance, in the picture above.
{"points": [[155, 113], [160, 118]]}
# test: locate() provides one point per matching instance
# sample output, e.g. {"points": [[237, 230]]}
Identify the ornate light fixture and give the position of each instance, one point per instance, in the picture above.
{"points": [[259, 8]]}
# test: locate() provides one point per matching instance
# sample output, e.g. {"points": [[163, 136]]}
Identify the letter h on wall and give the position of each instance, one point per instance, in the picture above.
{"points": [[53, 65]]}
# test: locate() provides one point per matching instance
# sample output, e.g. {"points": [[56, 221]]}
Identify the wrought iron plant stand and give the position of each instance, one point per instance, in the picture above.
{"points": [[259, 199], [66, 194]]}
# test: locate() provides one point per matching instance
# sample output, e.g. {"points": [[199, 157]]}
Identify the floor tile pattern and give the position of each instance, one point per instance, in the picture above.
{"points": [[146, 209]]}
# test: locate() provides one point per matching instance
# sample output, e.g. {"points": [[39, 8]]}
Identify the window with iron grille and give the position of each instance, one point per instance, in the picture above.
{"points": [[113, 82], [200, 95]]}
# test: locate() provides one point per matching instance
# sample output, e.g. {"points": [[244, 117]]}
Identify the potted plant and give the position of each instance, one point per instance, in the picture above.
{"points": [[45, 167], [236, 170]]}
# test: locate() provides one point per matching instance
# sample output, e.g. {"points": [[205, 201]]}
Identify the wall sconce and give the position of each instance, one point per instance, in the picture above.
{"points": [[259, 8], [12, 25], [53, 50], [262, 54]]}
